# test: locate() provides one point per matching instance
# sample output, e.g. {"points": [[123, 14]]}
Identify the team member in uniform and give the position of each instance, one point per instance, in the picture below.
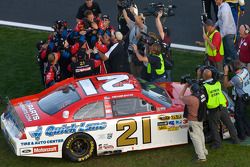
{"points": [[155, 63], [241, 82], [216, 106], [195, 125]]}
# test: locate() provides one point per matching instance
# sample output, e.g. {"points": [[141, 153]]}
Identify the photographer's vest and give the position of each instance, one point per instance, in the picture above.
{"points": [[244, 77], [215, 95], [159, 71], [209, 50]]}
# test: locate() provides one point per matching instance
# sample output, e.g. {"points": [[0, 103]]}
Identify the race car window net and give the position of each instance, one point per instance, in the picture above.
{"points": [[92, 110], [58, 100], [155, 92], [13, 119], [129, 106]]}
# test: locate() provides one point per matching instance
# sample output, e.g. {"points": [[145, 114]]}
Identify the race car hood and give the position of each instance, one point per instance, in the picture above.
{"points": [[174, 89], [30, 113]]}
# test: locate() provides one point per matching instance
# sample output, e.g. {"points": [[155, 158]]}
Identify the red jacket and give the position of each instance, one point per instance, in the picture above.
{"points": [[244, 49]]}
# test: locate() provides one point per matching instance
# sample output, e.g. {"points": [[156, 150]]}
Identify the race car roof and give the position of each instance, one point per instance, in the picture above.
{"points": [[109, 83]]}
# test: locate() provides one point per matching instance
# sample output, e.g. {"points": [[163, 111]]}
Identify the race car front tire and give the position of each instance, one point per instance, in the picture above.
{"points": [[78, 147]]}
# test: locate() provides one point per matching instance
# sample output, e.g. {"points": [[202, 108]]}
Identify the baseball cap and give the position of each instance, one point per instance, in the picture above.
{"points": [[209, 22], [105, 16]]}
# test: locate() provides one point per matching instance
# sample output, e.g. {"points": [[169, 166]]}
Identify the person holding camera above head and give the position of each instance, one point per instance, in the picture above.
{"points": [[217, 111], [155, 63], [244, 46], [135, 34], [214, 45], [227, 29], [165, 38], [241, 83], [88, 5], [195, 114]]}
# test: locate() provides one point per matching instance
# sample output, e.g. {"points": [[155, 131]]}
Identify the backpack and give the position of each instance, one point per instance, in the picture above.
{"points": [[202, 111]]}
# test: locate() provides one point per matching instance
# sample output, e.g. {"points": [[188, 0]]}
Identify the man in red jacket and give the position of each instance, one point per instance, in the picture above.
{"points": [[244, 46]]}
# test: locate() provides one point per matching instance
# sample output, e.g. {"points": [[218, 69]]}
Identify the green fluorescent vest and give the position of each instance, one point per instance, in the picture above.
{"points": [[211, 52], [215, 95], [158, 71]]}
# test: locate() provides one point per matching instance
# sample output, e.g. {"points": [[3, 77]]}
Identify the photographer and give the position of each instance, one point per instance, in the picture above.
{"points": [[216, 106], [88, 5], [135, 34], [194, 111], [165, 37], [155, 63], [241, 83]]}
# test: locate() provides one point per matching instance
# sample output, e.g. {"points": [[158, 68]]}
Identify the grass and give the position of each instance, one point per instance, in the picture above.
{"points": [[20, 76]]}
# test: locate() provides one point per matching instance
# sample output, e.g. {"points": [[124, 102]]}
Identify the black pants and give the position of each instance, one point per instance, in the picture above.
{"points": [[242, 120], [214, 118], [208, 8]]}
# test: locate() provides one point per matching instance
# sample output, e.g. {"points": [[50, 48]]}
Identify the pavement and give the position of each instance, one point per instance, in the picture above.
{"points": [[185, 25]]}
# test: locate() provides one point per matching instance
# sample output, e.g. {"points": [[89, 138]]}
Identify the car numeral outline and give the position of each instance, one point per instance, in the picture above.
{"points": [[113, 83], [125, 140]]}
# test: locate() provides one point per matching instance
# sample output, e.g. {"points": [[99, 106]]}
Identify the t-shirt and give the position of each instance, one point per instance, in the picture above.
{"points": [[192, 103], [244, 49], [134, 31], [237, 82], [94, 8]]}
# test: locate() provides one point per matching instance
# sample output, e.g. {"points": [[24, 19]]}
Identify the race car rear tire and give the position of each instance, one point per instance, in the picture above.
{"points": [[78, 147]]}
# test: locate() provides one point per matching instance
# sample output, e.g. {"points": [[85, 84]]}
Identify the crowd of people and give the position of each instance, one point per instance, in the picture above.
{"points": [[227, 51], [94, 46]]}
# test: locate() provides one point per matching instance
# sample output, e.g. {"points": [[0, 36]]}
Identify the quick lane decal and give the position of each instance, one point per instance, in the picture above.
{"points": [[68, 129]]}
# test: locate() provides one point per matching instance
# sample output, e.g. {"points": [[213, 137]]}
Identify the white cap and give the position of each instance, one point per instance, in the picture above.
{"points": [[118, 35]]}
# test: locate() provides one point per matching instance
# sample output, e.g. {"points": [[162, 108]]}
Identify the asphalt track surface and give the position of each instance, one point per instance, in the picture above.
{"points": [[185, 26]]}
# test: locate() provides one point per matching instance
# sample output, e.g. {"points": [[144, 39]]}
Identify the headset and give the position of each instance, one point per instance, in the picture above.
{"points": [[247, 29]]}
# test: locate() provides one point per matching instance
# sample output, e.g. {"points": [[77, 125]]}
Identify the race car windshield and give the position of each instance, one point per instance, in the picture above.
{"points": [[58, 100], [155, 92]]}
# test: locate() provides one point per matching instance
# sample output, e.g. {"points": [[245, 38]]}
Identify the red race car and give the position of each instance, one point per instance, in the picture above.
{"points": [[104, 114]]}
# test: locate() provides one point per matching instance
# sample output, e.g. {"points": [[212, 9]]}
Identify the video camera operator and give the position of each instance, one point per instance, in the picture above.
{"points": [[135, 34], [241, 83], [155, 62], [195, 110], [165, 37], [216, 106]]}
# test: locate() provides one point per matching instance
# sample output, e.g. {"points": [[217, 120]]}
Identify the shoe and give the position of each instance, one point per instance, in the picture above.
{"points": [[200, 160], [236, 141], [215, 146]]}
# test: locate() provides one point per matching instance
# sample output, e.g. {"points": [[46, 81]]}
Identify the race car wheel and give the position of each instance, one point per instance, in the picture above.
{"points": [[78, 147]]}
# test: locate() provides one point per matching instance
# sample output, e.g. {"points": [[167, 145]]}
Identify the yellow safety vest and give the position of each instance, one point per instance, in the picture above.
{"points": [[158, 71], [209, 50], [215, 95]]}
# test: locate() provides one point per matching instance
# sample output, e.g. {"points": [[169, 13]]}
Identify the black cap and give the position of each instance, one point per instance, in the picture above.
{"points": [[105, 16]]}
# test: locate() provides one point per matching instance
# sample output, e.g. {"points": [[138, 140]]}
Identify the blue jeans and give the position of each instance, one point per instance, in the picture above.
{"points": [[229, 49]]}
